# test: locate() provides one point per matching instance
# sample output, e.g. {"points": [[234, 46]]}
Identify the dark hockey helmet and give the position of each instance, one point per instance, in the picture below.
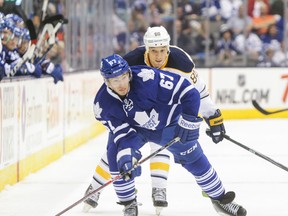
{"points": [[113, 66]]}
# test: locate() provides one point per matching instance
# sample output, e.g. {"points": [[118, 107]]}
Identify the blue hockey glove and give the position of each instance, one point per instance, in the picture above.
{"points": [[5, 69], [126, 159], [30, 69], [53, 70], [38, 71], [217, 129], [188, 128], [57, 73]]}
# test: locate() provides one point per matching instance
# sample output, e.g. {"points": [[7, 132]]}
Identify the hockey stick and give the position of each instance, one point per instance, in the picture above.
{"points": [[121, 175], [256, 153], [48, 29], [265, 112], [30, 26], [44, 9], [54, 19], [51, 41]]}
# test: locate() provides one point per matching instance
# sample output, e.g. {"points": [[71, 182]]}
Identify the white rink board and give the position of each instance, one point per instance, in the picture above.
{"points": [[233, 88]]}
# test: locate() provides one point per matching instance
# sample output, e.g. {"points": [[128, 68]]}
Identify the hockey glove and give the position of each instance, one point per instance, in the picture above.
{"points": [[5, 70], [188, 128], [217, 129], [126, 159], [30, 69], [54, 70], [57, 73]]}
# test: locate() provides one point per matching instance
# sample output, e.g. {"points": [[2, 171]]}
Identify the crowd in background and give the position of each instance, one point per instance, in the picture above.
{"points": [[235, 29]]}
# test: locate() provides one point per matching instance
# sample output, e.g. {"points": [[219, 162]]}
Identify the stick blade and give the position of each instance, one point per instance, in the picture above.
{"points": [[266, 112], [259, 108]]}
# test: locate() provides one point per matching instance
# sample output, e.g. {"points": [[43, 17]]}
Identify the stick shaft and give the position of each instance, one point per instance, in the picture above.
{"points": [[44, 9], [177, 139], [257, 153]]}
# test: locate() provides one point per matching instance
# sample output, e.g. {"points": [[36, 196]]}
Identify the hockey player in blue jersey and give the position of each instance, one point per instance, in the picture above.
{"points": [[158, 53], [141, 104]]}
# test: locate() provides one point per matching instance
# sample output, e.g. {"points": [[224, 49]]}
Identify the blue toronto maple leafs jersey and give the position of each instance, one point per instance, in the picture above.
{"points": [[181, 63], [155, 100]]}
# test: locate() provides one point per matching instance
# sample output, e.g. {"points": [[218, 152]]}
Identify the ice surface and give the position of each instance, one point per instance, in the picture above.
{"points": [[260, 186]]}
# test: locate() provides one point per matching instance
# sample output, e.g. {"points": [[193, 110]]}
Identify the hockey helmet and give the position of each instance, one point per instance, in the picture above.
{"points": [[113, 66], [26, 34], [156, 37], [16, 19]]}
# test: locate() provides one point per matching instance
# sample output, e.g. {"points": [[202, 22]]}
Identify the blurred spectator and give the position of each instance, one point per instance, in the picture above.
{"points": [[184, 39], [166, 9], [188, 10], [254, 7], [249, 44], [225, 47], [277, 7], [229, 8], [273, 47], [138, 19], [166, 14], [261, 23], [211, 9], [273, 34], [200, 41], [272, 57], [239, 22], [154, 15], [120, 34]]}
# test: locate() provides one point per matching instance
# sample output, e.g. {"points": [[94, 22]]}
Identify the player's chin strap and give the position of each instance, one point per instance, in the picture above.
{"points": [[254, 152], [121, 175]]}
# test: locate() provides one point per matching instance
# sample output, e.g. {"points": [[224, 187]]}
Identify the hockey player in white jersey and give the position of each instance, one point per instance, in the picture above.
{"points": [[158, 53]]}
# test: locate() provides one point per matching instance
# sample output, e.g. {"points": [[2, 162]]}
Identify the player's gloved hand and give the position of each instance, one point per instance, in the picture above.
{"points": [[188, 128], [57, 73], [54, 70], [126, 159], [30, 69], [38, 71], [217, 129], [8, 70]]}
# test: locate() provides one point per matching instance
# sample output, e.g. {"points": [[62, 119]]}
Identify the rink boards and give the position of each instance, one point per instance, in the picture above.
{"points": [[41, 121]]}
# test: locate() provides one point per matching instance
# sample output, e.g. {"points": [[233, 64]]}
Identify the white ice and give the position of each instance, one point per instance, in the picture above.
{"points": [[260, 186]]}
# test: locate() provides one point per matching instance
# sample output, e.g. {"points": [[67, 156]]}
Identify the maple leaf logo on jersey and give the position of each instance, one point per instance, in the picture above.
{"points": [[146, 74], [128, 104], [97, 110], [145, 121]]}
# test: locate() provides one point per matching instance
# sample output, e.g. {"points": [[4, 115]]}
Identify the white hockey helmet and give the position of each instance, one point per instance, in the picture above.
{"points": [[156, 37]]}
